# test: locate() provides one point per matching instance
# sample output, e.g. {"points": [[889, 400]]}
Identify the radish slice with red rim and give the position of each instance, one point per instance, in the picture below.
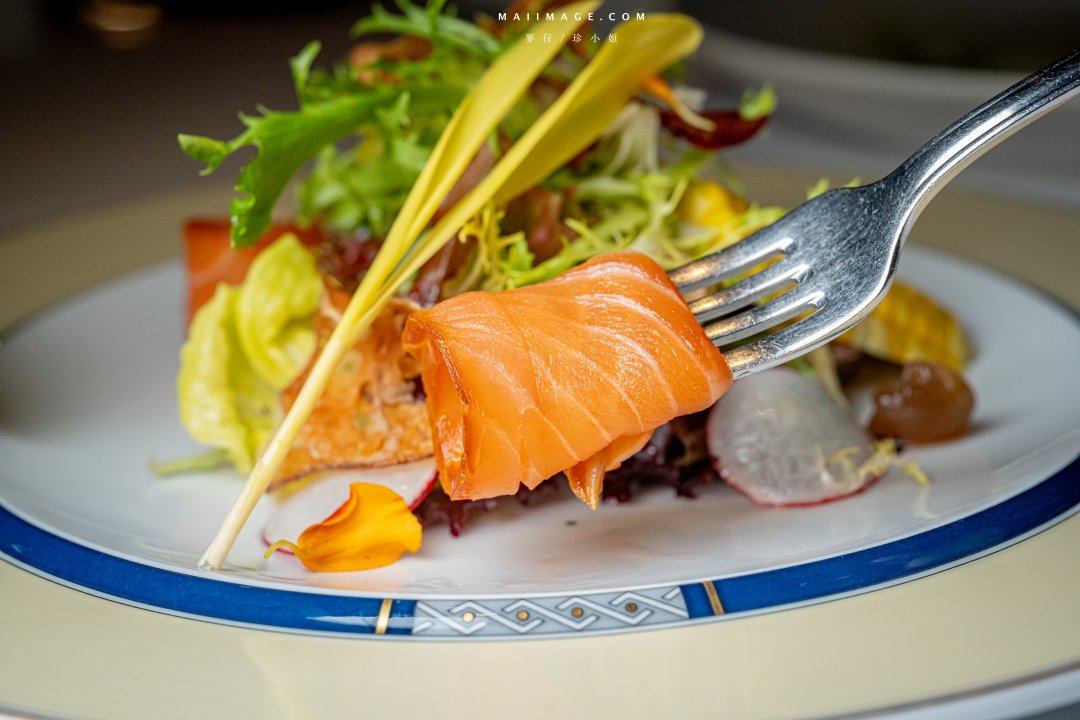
{"points": [[317, 500], [781, 440]]}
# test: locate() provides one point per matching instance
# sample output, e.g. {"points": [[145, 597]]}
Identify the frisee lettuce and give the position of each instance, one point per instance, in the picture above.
{"points": [[334, 105], [285, 141], [626, 197], [366, 186]]}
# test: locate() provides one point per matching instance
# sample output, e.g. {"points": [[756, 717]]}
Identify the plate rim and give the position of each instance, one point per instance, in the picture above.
{"points": [[702, 603], [696, 599], [931, 254]]}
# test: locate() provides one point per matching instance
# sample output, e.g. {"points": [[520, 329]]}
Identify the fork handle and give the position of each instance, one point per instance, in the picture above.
{"points": [[937, 162]]}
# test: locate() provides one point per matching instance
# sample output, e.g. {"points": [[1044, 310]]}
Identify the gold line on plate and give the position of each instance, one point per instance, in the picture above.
{"points": [[384, 616], [714, 599]]}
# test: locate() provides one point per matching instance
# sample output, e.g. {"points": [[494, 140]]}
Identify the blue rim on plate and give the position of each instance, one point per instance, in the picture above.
{"points": [[205, 598]]}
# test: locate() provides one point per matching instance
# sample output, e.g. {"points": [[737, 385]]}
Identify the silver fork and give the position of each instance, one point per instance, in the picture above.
{"points": [[838, 252]]}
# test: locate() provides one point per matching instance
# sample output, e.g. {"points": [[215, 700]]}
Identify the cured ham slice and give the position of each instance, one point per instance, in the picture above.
{"points": [[530, 382]]}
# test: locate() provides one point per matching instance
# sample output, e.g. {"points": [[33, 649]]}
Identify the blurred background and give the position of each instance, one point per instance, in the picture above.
{"points": [[95, 91]]}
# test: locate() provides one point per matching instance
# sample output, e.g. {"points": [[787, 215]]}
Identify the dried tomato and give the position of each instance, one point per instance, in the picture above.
{"points": [[730, 130]]}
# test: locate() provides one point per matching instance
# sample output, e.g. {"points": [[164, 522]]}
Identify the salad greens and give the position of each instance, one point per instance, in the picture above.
{"points": [[334, 105], [281, 292], [222, 402], [625, 197], [286, 140], [396, 100], [365, 186], [243, 347]]}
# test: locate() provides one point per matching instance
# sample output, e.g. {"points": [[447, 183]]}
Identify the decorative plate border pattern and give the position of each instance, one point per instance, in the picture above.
{"points": [[29, 547]]}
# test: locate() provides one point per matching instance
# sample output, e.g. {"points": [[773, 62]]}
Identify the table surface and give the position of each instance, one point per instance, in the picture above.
{"points": [[1005, 616]]}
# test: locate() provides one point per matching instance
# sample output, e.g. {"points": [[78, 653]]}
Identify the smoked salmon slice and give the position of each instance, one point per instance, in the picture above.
{"points": [[534, 381]]}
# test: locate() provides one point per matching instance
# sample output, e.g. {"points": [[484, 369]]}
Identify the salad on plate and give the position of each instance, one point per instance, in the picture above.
{"points": [[472, 303]]}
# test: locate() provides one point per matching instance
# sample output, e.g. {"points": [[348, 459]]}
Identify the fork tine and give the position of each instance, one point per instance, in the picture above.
{"points": [[772, 279], [787, 342], [761, 318], [852, 237], [731, 261]]}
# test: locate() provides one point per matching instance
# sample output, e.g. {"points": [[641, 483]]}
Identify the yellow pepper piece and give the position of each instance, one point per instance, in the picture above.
{"points": [[909, 326], [575, 119], [710, 205], [372, 529]]}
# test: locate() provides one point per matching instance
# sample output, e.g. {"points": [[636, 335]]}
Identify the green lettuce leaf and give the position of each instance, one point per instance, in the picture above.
{"points": [[273, 313], [222, 401], [366, 186], [245, 345], [285, 140]]}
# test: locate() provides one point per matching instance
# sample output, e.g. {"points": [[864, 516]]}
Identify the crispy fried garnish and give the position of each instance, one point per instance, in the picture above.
{"points": [[370, 414]]}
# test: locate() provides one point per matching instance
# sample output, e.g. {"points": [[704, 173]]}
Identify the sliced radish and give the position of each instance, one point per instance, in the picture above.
{"points": [[779, 438], [317, 501]]}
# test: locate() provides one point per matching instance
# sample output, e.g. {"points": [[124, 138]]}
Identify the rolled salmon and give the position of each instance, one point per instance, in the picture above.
{"points": [[570, 375]]}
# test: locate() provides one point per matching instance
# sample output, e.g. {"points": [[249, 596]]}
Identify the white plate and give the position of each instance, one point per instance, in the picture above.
{"points": [[87, 396]]}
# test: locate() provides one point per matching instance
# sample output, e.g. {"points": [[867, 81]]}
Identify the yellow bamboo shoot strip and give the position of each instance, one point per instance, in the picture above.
{"points": [[580, 114], [475, 119], [576, 118], [588, 106], [570, 124]]}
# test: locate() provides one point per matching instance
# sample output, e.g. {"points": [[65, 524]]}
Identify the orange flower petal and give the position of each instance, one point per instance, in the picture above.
{"points": [[373, 528]]}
